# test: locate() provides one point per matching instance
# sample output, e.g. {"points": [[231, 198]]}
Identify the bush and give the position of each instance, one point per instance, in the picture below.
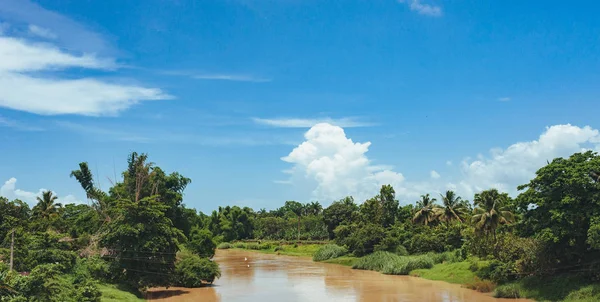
{"points": [[201, 242], [66, 259], [483, 286], [364, 239], [224, 246], [278, 248], [508, 291], [265, 246], [239, 245], [329, 251], [93, 267], [88, 292], [253, 246], [192, 270], [496, 271]]}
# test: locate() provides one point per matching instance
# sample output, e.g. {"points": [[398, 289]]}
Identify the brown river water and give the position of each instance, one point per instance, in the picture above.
{"points": [[265, 278]]}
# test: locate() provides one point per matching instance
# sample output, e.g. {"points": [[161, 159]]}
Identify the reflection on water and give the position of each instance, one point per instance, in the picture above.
{"points": [[265, 278]]}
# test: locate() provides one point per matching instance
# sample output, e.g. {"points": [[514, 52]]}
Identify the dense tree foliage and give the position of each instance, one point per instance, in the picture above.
{"points": [[139, 232]]}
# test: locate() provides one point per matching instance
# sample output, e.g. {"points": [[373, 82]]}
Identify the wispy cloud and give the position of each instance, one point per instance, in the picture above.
{"points": [[504, 99], [5, 122], [423, 9], [218, 76], [51, 95], [42, 32], [69, 33], [307, 123]]}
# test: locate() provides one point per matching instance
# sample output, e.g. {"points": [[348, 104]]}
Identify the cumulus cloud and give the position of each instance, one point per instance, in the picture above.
{"points": [[505, 169], [338, 166], [23, 88], [307, 123], [10, 191], [332, 166], [423, 9]]}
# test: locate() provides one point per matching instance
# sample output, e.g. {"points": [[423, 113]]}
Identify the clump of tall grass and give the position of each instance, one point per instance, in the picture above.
{"points": [[329, 251], [239, 245], [449, 256], [392, 264], [278, 248], [253, 246], [510, 290], [265, 246], [407, 264], [483, 286], [376, 261], [224, 245]]}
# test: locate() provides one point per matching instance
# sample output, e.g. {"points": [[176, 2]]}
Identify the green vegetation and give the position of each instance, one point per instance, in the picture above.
{"points": [[543, 244], [112, 293], [329, 251]]}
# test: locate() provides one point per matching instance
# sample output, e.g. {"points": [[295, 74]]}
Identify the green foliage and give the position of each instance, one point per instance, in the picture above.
{"points": [[329, 251], [339, 212], [392, 264], [192, 270], [278, 248], [362, 241], [376, 261], [201, 242], [224, 246], [253, 246], [559, 208], [239, 245], [511, 291], [456, 272]]}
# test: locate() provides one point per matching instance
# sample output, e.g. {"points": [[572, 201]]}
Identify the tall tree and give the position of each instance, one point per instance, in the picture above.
{"points": [[389, 205], [427, 210], [47, 207], [339, 212], [453, 208], [491, 210]]}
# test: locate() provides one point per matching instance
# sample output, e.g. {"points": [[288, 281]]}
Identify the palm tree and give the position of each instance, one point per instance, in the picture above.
{"points": [[46, 207], [490, 211], [427, 211], [453, 208]]}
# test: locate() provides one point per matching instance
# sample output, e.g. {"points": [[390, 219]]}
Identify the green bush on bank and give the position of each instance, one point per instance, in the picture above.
{"points": [[329, 251], [192, 270], [239, 245], [224, 246]]}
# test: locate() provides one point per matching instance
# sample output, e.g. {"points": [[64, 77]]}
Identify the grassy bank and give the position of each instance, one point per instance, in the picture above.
{"points": [[113, 293], [299, 250], [571, 288], [458, 273]]}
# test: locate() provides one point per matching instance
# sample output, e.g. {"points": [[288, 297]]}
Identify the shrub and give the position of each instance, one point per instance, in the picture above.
{"points": [[497, 271], [88, 291], [265, 246], [329, 251], [239, 245], [363, 240], [508, 291], [93, 267], [253, 246], [483, 286], [224, 246], [201, 242], [278, 248], [191, 270]]}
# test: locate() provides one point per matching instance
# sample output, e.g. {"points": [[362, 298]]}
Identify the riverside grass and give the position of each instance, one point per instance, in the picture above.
{"points": [[329, 251]]}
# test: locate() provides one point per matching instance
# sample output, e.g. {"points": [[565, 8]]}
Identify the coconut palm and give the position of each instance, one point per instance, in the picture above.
{"points": [[490, 211], [46, 207], [453, 208], [427, 212]]}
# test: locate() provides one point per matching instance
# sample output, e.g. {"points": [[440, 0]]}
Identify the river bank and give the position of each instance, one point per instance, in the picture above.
{"points": [[251, 276], [557, 288]]}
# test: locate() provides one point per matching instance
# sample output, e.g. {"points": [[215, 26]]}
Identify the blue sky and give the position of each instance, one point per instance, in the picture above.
{"points": [[262, 101]]}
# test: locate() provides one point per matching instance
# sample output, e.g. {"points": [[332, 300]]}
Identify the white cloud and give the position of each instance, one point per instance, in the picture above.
{"points": [[504, 99], [307, 123], [505, 169], [332, 166], [18, 125], [24, 91], [338, 166], [69, 34], [10, 191], [448, 163], [423, 9], [41, 32]]}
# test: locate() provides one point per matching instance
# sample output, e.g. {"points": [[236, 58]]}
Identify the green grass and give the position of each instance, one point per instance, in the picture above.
{"points": [[344, 260], [300, 250], [329, 251], [224, 246], [392, 264], [457, 272], [570, 288], [113, 293]]}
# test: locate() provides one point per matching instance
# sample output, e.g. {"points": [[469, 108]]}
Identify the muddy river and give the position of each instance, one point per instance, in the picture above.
{"points": [[253, 277]]}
